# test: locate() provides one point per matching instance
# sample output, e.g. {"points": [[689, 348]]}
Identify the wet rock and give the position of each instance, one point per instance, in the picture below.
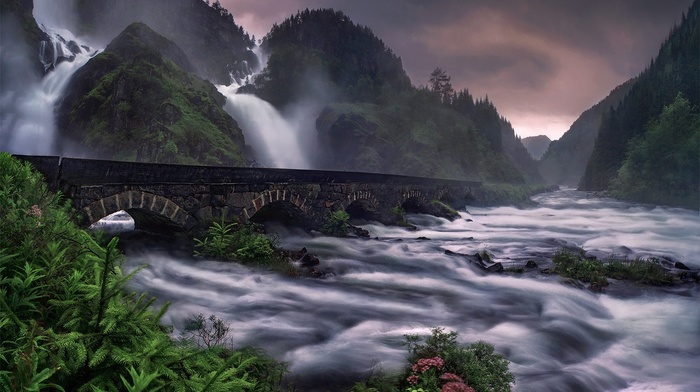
{"points": [[680, 265], [495, 267], [423, 238], [531, 264], [360, 232], [309, 260], [596, 288], [469, 220]]}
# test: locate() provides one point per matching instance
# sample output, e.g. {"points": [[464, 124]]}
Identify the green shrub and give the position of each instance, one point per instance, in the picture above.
{"points": [[336, 224], [439, 359], [69, 324], [574, 267], [217, 242], [595, 271]]}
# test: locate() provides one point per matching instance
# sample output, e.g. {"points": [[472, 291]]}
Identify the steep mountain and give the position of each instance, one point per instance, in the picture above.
{"points": [[216, 46], [564, 162], [536, 145], [324, 51], [138, 100], [377, 121], [673, 71]]}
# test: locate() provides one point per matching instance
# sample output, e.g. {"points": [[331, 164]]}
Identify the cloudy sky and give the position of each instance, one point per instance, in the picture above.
{"points": [[542, 62]]}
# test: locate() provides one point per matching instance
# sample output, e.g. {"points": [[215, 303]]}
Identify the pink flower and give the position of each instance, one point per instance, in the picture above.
{"points": [[34, 211], [412, 379], [456, 387], [451, 377]]}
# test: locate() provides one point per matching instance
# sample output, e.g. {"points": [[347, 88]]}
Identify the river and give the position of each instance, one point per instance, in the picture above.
{"points": [[556, 336]]}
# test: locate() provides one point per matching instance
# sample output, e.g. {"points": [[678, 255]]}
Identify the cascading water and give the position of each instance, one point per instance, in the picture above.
{"points": [[28, 123], [558, 337], [275, 139], [283, 141]]}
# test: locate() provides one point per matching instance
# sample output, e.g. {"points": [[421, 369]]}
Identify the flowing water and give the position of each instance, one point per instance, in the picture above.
{"points": [[556, 336], [27, 102]]}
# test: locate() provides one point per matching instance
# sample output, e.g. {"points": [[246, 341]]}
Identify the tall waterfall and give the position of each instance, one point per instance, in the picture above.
{"points": [[26, 102]]}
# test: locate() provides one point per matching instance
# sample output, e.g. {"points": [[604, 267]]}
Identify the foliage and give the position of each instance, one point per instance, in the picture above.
{"points": [[217, 242], [662, 165], [673, 71], [647, 271], [226, 241], [439, 358], [348, 59], [336, 224], [490, 194], [68, 322]]}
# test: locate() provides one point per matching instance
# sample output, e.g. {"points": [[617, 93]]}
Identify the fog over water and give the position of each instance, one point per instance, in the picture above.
{"points": [[557, 337]]}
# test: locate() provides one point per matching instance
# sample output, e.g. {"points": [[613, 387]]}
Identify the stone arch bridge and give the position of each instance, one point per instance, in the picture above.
{"points": [[191, 197]]}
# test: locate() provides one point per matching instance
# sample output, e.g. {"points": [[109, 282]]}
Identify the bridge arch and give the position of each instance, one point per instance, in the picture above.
{"points": [[279, 197], [145, 207], [414, 201], [362, 204]]}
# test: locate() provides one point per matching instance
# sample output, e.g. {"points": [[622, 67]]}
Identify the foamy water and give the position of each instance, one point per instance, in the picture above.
{"points": [[557, 337]]}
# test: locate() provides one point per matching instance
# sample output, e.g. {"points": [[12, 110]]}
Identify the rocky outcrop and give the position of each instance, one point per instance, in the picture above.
{"points": [[138, 101]]}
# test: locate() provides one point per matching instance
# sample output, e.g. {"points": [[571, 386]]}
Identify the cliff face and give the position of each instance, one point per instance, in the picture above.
{"points": [[137, 101], [217, 47]]}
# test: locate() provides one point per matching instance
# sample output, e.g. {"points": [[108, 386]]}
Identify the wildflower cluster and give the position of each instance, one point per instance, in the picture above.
{"points": [[454, 383]]}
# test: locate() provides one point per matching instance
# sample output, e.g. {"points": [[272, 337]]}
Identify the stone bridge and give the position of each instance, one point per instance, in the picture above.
{"points": [[191, 197]]}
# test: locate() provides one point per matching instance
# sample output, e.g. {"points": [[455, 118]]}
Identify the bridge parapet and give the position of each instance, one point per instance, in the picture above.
{"points": [[193, 196]]}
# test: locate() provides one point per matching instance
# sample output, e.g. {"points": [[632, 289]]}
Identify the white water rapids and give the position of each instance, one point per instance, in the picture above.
{"points": [[557, 337]]}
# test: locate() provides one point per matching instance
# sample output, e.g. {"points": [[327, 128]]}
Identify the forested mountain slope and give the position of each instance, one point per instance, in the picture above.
{"points": [[564, 161], [674, 71], [378, 121]]}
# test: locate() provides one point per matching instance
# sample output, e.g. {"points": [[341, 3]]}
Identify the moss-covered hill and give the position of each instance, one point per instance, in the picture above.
{"points": [[137, 101], [217, 47]]}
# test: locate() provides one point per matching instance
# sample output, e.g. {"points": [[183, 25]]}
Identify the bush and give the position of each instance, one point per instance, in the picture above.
{"points": [[69, 324], [247, 245], [647, 271], [336, 224], [440, 360]]}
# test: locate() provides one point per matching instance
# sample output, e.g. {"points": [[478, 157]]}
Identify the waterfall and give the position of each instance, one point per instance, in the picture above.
{"points": [[27, 103], [274, 138]]}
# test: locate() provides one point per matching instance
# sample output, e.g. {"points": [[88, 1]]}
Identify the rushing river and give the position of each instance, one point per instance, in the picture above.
{"points": [[556, 336]]}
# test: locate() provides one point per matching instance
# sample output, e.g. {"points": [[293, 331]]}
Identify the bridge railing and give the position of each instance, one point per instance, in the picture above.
{"points": [[96, 172]]}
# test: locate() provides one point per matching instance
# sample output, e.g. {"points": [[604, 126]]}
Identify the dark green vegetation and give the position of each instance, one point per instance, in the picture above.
{"points": [[596, 272], [439, 362], [242, 243], [214, 43], [376, 120], [68, 324], [565, 159], [336, 224], [506, 194], [137, 101], [663, 164], [624, 129]]}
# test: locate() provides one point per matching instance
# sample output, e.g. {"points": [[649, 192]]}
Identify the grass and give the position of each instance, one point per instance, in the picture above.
{"points": [[646, 271]]}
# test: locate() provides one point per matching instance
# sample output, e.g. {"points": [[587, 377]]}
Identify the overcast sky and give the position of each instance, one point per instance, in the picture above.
{"points": [[541, 62]]}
